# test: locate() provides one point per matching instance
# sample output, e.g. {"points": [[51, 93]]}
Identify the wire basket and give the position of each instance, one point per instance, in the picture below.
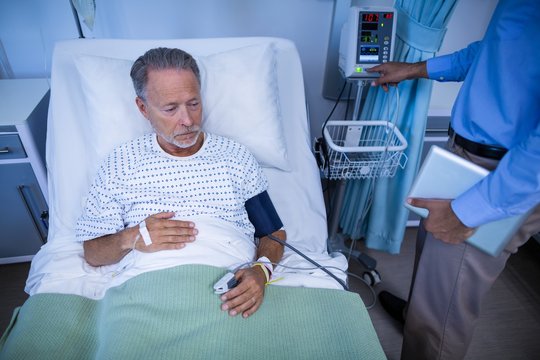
{"points": [[363, 149]]}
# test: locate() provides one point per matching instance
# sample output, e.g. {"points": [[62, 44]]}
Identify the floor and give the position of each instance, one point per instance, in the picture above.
{"points": [[508, 328], [12, 280]]}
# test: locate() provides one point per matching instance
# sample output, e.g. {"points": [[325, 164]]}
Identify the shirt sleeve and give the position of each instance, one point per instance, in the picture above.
{"points": [[102, 213], [254, 181], [452, 67], [498, 104], [512, 188]]}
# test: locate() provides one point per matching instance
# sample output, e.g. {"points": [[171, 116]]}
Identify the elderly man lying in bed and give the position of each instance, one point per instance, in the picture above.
{"points": [[152, 194]]}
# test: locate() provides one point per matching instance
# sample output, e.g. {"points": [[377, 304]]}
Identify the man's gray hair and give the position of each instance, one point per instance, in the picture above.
{"points": [[160, 59]]}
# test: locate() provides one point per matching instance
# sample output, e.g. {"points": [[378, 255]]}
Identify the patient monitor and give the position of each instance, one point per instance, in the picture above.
{"points": [[367, 39]]}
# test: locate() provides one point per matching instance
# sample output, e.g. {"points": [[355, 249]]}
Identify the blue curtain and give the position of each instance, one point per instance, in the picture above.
{"points": [[421, 26]]}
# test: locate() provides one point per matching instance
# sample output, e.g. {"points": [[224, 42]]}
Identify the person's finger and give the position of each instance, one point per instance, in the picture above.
{"points": [[170, 236], [178, 224], [175, 231], [252, 309], [246, 304], [419, 202], [242, 303], [154, 247], [164, 220], [166, 230], [179, 239], [377, 82], [163, 215], [375, 68]]}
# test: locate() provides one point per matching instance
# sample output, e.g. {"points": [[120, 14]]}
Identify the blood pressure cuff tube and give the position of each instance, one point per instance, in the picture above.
{"points": [[263, 215]]}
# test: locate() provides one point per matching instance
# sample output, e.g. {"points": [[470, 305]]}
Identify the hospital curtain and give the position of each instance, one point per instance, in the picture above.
{"points": [[421, 26]]}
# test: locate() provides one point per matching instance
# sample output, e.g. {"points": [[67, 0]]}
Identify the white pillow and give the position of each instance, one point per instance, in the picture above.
{"points": [[113, 116], [240, 101]]}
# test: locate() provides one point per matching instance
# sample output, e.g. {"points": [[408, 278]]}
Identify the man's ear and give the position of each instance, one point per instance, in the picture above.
{"points": [[142, 106]]}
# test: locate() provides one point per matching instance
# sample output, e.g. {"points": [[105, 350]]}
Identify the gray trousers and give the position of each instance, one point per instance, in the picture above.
{"points": [[449, 285]]}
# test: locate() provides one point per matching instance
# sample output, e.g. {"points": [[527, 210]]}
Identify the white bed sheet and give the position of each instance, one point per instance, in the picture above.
{"points": [[59, 266]]}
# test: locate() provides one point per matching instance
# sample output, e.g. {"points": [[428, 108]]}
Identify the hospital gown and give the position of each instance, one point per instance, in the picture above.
{"points": [[139, 179]]}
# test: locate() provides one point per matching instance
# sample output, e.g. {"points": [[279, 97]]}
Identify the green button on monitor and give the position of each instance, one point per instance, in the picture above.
{"points": [[359, 69]]}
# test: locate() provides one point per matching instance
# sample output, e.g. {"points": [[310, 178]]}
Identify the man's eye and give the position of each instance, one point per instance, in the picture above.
{"points": [[169, 110], [194, 105]]}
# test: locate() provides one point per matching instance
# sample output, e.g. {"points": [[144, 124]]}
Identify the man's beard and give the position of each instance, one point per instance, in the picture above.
{"points": [[171, 139]]}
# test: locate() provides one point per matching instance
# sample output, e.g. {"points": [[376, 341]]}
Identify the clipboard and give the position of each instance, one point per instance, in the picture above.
{"points": [[444, 175]]}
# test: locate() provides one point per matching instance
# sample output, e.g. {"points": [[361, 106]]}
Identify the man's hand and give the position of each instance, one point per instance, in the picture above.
{"points": [[442, 222], [391, 73], [247, 296], [167, 234]]}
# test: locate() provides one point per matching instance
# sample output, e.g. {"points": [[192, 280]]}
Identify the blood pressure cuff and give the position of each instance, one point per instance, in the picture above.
{"points": [[263, 215]]}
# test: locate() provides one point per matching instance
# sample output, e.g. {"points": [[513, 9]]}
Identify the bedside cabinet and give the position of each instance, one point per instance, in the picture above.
{"points": [[23, 183]]}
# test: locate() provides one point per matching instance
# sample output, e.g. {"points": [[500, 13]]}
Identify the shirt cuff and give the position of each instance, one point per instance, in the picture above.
{"points": [[438, 67], [473, 210]]}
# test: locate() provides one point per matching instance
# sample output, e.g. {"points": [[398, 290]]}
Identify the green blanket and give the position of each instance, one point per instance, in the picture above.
{"points": [[174, 314]]}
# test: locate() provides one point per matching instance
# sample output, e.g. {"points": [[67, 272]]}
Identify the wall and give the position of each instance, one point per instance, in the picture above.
{"points": [[468, 24], [29, 29]]}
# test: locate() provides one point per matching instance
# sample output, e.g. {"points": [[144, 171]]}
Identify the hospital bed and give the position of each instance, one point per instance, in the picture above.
{"points": [[162, 305]]}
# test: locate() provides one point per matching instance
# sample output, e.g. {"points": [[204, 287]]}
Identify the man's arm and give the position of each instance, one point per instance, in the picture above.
{"points": [[110, 249], [166, 234], [452, 67], [392, 73], [271, 248], [512, 188]]}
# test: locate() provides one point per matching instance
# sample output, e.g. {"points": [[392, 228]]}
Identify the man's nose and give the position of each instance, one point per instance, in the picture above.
{"points": [[184, 118]]}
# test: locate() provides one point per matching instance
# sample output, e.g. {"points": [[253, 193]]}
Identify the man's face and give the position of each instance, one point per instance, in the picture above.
{"points": [[173, 107]]}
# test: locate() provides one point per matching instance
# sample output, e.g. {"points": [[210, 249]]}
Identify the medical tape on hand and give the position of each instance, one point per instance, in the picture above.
{"points": [[145, 234]]}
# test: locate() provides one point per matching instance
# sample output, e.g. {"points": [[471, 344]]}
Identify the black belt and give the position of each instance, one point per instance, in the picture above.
{"points": [[486, 151]]}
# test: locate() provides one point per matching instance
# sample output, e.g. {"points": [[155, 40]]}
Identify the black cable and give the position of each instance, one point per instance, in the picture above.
{"points": [[345, 287], [77, 21], [348, 102], [333, 109], [321, 140]]}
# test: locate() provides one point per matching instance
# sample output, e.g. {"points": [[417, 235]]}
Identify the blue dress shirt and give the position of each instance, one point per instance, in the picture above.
{"points": [[499, 104]]}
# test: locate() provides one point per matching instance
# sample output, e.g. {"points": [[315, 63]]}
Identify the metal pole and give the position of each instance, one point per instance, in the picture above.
{"points": [[341, 185], [359, 89], [338, 203]]}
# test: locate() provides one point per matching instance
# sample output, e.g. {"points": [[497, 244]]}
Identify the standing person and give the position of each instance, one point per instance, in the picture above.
{"points": [[495, 123]]}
